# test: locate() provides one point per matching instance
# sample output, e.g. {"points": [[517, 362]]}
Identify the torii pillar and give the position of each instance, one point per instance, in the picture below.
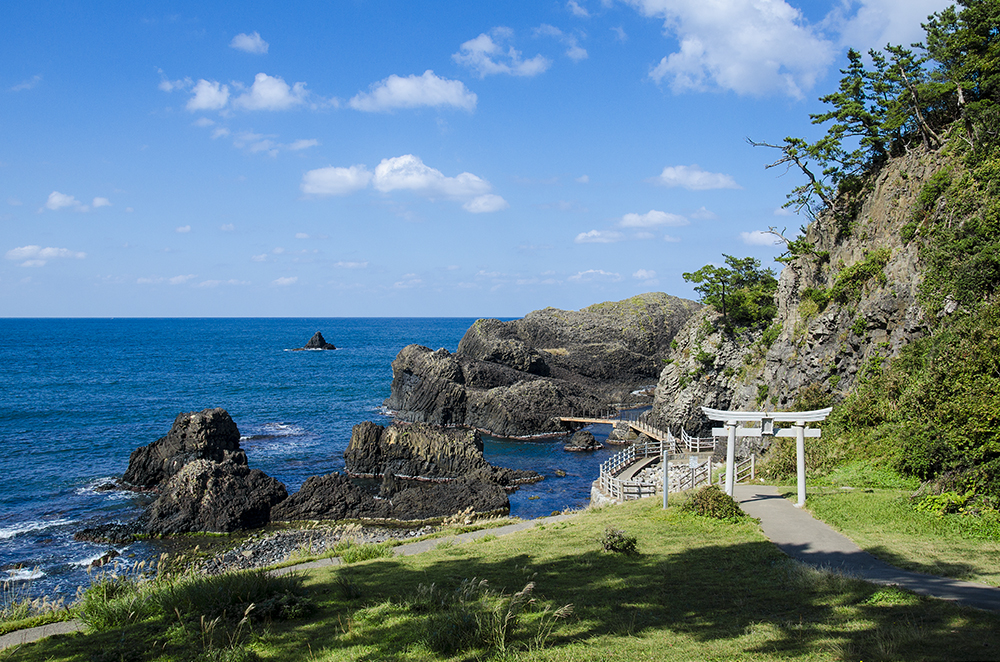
{"points": [[765, 428]]}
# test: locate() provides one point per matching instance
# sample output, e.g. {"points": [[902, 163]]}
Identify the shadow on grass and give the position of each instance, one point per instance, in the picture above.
{"points": [[746, 592]]}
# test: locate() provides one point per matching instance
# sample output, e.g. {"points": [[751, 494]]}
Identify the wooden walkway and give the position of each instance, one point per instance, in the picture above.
{"points": [[639, 426]]}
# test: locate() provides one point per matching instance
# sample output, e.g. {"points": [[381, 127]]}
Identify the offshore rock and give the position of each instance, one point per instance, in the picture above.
{"points": [[316, 342], [582, 440], [210, 434], [424, 452], [516, 378], [219, 497], [335, 497]]}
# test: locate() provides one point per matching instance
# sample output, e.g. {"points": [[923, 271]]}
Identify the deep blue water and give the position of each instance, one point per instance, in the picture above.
{"points": [[77, 396]]}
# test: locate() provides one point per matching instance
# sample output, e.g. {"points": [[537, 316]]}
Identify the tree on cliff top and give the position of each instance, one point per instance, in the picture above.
{"points": [[741, 291]]}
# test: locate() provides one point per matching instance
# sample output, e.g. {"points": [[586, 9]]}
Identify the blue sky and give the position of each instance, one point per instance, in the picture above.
{"points": [[400, 159]]}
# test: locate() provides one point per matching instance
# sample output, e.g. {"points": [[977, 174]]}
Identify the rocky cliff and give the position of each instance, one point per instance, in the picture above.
{"points": [[850, 301], [513, 378]]}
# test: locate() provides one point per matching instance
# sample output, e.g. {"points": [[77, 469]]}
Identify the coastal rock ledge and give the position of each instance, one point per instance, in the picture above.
{"points": [[316, 342], [514, 379]]}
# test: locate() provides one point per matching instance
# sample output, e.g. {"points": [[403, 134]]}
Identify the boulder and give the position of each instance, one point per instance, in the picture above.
{"points": [[219, 497], [330, 497], [316, 342], [210, 434], [622, 433], [582, 440]]}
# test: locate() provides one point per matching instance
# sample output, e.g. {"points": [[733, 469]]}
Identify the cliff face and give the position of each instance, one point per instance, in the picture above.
{"points": [[512, 378], [851, 302]]}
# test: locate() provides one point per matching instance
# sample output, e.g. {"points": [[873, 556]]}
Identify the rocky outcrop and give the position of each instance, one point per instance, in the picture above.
{"points": [[335, 496], [316, 342], [424, 452], [210, 434], [515, 378], [582, 440], [816, 345], [216, 497]]}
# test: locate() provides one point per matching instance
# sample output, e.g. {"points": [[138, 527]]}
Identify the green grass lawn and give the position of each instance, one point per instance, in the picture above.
{"points": [[885, 523], [698, 589]]}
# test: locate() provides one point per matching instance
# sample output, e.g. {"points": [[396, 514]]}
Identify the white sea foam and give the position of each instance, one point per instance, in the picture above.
{"points": [[272, 430], [8, 532], [24, 574]]}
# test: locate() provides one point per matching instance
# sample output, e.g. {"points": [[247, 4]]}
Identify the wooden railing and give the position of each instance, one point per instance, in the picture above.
{"points": [[693, 477]]}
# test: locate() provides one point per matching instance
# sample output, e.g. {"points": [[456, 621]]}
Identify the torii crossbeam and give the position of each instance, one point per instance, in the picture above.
{"points": [[765, 428]]}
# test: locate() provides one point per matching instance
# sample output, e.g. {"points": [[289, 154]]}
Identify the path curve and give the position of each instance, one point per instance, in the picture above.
{"points": [[807, 539]]}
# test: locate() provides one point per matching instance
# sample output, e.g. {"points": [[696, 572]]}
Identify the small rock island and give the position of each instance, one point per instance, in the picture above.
{"points": [[316, 342]]}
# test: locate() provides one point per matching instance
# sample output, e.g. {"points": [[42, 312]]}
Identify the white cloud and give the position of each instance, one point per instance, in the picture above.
{"points": [[59, 200], [880, 22], [335, 181], [752, 47], [644, 274], [573, 49], [620, 34], [653, 218], [671, 239], [286, 280], [271, 93], [28, 84], [208, 95], [180, 280], [249, 43], [694, 178], [351, 265], [227, 227], [221, 132], [14, 202], [410, 280], [483, 204], [703, 214], [577, 10], [783, 211], [414, 92], [583, 179], [408, 172], [599, 237], [259, 258], [203, 122], [100, 202], [36, 256], [301, 235], [216, 283], [759, 238], [595, 274], [168, 85], [303, 144], [488, 54], [183, 229]]}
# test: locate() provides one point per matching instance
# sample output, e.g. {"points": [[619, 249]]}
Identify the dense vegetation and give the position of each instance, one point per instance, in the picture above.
{"points": [[741, 291], [933, 412]]}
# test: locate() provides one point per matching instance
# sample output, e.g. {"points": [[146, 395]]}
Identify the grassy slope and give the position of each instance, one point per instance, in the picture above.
{"points": [[699, 589]]}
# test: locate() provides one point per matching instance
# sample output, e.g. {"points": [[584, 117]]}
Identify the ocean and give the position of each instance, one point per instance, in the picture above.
{"points": [[77, 396]]}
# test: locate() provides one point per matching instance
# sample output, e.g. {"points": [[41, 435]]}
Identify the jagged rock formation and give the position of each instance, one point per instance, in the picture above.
{"points": [[335, 496], [423, 452], [216, 497], [582, 440], [201, 476], [210, 434], [316, 342], [512, 378], [870, 275]]}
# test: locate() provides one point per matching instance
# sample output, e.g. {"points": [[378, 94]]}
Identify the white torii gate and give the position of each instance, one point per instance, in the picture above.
{"points": [[765, 428]]}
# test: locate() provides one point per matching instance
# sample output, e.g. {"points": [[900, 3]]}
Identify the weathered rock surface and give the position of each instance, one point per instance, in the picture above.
{"points": [[582, 440], [819, 348], [210, 434], [622, 433], [316, 342], [514, 378], [214, 496], [334, 496], [425, 452]]}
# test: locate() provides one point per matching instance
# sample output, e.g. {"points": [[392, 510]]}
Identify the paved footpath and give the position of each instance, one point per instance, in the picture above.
{"points": [[805, 538]]}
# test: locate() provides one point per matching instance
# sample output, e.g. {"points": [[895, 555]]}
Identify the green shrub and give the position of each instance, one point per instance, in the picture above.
{"points": [[770, 334], [851, 280], [617, 541], [710, 501], [354, 553]]}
